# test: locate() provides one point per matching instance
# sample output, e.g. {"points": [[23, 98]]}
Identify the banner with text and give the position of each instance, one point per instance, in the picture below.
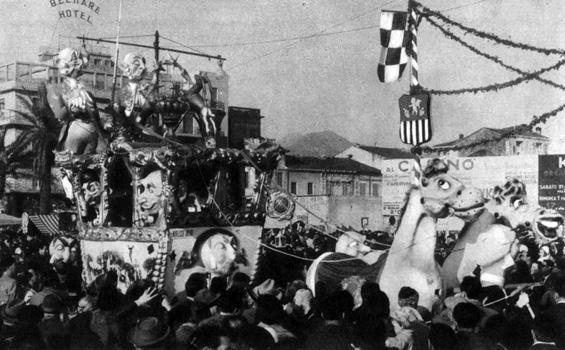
{"points": [[482, 172], [552, 182]]}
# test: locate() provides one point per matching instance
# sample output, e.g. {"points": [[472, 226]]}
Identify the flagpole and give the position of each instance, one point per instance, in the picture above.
{"points": [[114, 77]]}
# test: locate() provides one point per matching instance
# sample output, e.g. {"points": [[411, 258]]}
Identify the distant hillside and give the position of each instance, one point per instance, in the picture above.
{"points": [[318, 144], [289, 139]]}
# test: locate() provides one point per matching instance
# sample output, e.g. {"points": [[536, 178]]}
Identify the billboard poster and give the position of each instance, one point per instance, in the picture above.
{"points": [[552, 182], [482, 172]]}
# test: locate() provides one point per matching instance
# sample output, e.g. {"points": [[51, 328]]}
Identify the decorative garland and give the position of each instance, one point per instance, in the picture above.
{"points": [[498, 86], [490, 36], [452, 36], [516, 129]]}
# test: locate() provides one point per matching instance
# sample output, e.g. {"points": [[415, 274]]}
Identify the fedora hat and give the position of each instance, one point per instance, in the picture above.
{"points": [[148, 331], [206, 298]]}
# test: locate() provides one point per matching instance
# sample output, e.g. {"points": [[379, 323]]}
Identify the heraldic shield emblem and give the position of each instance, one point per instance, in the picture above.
{"points": [[415, 125]]}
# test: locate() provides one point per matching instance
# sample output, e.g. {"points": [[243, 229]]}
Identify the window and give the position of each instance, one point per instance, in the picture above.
{"points": [[99, 82], [310, 188], [347, 189], [376, 189], [362, 188], [293, 187], [96, 62], [2, 104], [279, 178]]}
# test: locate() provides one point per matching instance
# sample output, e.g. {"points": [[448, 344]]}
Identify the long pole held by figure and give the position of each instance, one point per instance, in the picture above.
{"points": [[114, 77]]}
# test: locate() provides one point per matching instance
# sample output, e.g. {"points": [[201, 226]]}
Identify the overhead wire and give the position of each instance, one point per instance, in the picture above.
{"points": [[298, 40]]}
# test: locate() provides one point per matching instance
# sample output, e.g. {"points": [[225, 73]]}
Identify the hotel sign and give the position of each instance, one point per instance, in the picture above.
{"points": [[81, 9]]}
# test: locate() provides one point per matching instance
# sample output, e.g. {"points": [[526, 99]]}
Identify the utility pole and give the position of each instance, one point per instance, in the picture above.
{"points": [[156, 47]]}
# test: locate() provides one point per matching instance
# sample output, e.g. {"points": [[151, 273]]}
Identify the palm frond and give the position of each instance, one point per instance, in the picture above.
{"points": [[31, 118]]}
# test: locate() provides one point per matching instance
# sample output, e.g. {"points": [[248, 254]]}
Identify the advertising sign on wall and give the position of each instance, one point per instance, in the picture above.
{"points": [[552, 182]]}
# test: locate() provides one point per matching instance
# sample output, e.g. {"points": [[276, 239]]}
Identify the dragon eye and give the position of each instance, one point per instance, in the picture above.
{"points": [[444, 185]]}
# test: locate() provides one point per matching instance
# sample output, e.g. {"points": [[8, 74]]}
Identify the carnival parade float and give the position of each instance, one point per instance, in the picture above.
{"points": [[153, 205]]}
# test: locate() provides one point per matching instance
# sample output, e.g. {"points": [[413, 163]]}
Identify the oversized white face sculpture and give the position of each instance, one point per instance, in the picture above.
{"points": [[149, 191], [134, 67], [218, 253], [352, 243]]}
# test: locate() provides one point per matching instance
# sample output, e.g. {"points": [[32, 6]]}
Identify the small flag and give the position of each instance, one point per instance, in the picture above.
{"points": [[393, 45]]}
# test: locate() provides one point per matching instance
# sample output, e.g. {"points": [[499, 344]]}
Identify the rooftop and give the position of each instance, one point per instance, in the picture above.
{"points": [[491, 134], [387, 153], [330, 165]]}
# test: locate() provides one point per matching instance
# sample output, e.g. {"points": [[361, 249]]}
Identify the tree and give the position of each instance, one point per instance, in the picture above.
{"points": [[37, 142]]}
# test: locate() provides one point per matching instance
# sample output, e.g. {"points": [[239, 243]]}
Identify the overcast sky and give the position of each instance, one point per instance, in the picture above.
{"points": [[326, 81]]}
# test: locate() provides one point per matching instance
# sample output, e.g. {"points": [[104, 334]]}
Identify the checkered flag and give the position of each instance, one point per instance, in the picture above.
{"points": [[393, 41]]}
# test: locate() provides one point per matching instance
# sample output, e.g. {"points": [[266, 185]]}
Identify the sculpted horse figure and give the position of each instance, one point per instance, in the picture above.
{"points": [[488, 236], [410, 259]]}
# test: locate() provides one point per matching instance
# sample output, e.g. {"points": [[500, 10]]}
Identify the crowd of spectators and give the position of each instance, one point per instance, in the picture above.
{"points": [[39, 310]]}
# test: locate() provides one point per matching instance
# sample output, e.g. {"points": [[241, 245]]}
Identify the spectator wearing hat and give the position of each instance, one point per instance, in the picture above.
{"points": [[210, 338], [8, 284], [270, 316], [79, 326], [195, 282], [371, 320], [227, 305], [149, 333], [267, 287], [55, 321], [468, 317], [333, 333]]}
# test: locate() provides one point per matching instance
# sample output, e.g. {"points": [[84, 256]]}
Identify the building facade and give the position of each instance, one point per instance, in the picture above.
{"points": [[338, 191], [373, 155], [493, 142], [244, 123]]}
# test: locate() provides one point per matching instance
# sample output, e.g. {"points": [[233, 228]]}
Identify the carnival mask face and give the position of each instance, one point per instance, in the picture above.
{"points": [[218, 253], [70, 61], [149, 193], [91, 191], [60, 250], [134, 67]]}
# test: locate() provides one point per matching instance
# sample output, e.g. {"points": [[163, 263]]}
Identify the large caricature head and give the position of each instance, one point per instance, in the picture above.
{"points": [[510, 205], [217, 251], [63, 250], [442, 194], [134, 66], [149, 192], [70, 62]]}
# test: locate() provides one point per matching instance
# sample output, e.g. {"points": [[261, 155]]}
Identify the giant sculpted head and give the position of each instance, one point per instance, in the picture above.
{"points": [[149, 192]]}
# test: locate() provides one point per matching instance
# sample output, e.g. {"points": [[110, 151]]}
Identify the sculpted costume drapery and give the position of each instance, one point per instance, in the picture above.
{"points": [[74, 105], [134, 104]]}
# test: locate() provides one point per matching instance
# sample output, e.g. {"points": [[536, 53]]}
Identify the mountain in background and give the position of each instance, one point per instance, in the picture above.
{"points": [[316, 144], [289, 139]]}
